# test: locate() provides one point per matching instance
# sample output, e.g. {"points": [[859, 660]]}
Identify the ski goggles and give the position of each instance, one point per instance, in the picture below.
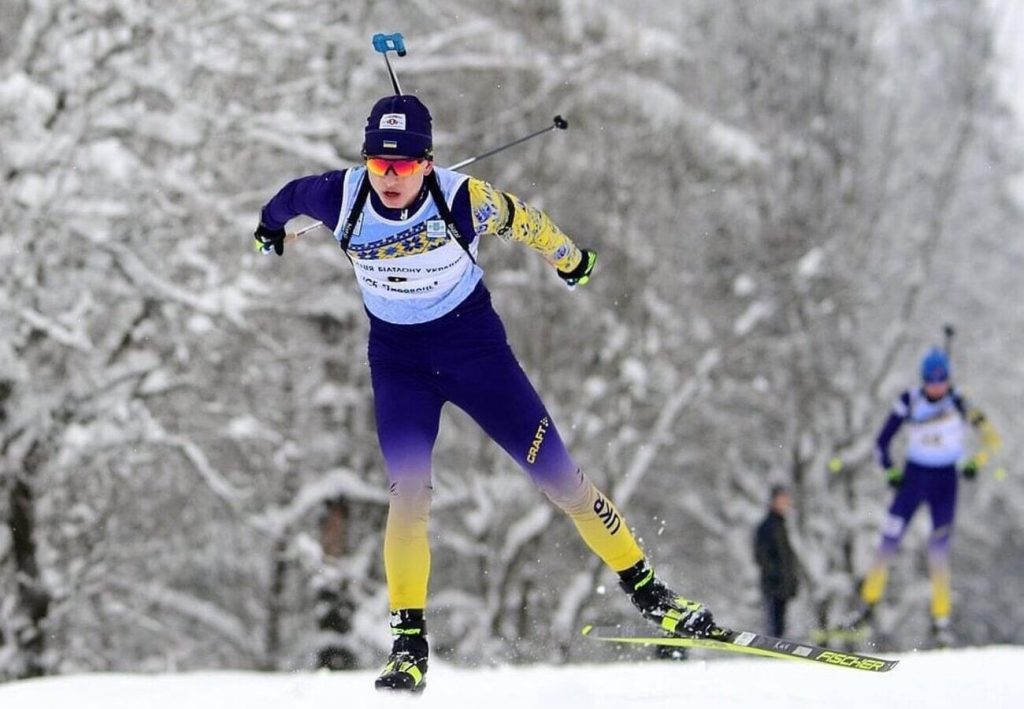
{"points": [[403, 167]]}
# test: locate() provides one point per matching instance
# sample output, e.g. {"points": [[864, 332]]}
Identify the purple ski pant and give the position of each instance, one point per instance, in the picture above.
{"points": [[935, 487], [464, 358]]}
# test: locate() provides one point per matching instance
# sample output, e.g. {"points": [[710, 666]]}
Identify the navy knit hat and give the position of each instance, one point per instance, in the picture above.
{"points": [[398, 125]]}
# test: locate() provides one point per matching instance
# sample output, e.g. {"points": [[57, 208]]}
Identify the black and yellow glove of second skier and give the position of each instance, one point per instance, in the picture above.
{"points": [[894, 476]]}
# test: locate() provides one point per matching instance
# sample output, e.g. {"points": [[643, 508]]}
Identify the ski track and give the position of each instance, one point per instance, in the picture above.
{"points": [[989, 677]]}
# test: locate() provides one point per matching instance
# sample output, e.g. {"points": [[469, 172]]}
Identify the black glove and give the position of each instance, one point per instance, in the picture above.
{"points": [[268, 239], [581, 274]]}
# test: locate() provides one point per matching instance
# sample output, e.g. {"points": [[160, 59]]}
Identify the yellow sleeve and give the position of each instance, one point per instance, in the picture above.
{"points": [[990, 440], [506, 216]]}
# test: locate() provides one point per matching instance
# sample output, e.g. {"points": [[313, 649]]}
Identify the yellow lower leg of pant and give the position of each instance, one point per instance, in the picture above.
{"points": [[942, 594], [874, 584], [406, 560], [604, 530]]}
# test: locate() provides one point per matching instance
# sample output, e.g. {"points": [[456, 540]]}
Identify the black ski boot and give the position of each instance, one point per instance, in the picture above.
{"points": [[658, 603], [942, 633], [406, 668]]}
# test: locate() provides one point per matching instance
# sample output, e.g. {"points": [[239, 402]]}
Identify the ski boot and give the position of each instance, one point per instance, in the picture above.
{"points": [[406, 668], [942, 633], [658, 603]]}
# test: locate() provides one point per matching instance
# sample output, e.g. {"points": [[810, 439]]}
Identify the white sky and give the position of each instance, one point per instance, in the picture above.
{"points": [[953, 679]]}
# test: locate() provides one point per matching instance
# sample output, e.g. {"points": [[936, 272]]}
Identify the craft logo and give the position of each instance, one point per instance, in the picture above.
{"points": [[538, 440]]}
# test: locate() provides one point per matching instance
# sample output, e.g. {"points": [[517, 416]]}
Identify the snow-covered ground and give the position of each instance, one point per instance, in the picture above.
{"points": [[982, 677]]}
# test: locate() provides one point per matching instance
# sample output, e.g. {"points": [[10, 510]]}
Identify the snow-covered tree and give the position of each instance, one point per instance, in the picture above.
{"points": [[788, 199]]}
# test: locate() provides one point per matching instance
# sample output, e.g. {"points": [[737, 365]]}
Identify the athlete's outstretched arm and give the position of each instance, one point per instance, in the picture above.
{"points": [[316, 196], [506, 216], [991, 442]]}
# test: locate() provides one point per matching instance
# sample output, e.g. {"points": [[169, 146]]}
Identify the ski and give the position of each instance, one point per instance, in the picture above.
{"points": [[744, 642]]}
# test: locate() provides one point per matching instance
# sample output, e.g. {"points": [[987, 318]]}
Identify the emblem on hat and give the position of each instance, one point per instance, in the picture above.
{"points": [[392, 121]]}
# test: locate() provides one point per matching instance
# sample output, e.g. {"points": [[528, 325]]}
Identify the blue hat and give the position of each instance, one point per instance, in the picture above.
{"points": [[935, 366], [398, 125]]}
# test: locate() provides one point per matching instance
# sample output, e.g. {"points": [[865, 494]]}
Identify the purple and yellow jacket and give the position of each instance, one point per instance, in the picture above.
{"points": [[409, 270]]}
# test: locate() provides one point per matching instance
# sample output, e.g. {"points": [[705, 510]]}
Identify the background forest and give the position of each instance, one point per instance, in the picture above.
{"points": [[790, 199]]}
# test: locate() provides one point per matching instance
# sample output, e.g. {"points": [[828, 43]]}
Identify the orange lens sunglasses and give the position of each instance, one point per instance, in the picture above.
{"points": [[401, 168]]}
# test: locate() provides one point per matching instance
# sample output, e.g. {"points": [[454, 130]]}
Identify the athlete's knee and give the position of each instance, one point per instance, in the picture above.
{"points": [[893, 529], [938, 542], [582, 500], [573, 494], [409, 500], [408, 458]]}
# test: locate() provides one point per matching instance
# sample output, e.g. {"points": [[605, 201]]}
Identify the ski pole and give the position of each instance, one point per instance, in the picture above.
{"points": [[385, 43], [558, 123]]}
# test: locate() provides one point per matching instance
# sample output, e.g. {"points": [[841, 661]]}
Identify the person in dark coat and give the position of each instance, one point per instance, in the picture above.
{"points": [[780, 567]]}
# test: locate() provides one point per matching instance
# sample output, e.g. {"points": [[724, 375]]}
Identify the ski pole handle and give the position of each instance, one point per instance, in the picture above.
{"points": [[385, 43], [558, 123], [393, 42]]}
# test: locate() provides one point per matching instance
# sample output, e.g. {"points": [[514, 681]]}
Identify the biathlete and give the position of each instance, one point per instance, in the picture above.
{"points": [[411, 231], [935, 416]]}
